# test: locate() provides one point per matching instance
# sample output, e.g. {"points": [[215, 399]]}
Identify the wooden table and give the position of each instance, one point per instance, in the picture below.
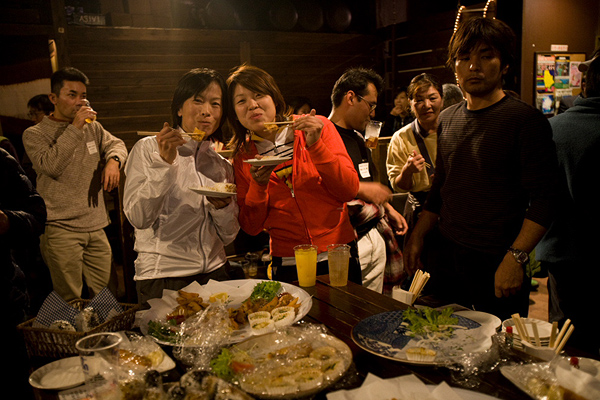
{"points": [[340, 308]]}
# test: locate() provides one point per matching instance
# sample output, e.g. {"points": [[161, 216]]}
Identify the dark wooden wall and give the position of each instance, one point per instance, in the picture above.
{"points": [[133, 71]]}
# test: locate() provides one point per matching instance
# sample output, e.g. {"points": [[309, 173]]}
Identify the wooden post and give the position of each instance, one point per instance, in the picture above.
{"points": [[59, 24]]}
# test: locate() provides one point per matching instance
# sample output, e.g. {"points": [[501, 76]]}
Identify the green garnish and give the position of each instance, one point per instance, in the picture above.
{"points": [[221, 365], [265, 291], [162, 331], [428, 320]]}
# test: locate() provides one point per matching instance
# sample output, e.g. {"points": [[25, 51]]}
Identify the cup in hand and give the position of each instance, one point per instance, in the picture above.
{"points": [[306, 264], [92, 119], [99, 355], [338, 256], [372, 133]]}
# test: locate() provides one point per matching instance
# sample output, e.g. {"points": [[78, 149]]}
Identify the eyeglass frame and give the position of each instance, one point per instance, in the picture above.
{"points": [[372, 106]]}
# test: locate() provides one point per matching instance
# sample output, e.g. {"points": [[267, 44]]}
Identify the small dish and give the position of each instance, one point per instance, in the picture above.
{"points": [[267, 161]]}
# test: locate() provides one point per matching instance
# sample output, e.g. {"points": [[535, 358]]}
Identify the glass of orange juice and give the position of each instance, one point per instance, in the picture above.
{"points": [[306, 264]]}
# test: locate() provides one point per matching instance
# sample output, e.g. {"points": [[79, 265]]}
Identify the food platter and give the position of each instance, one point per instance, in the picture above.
{"points": [[271, 160], [282, 360], [237, 292], [482, 317], [211, 192], [382, 334]]}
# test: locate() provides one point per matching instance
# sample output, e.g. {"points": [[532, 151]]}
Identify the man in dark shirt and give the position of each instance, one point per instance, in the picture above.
{"points": [[354, 98], [493, 194]]}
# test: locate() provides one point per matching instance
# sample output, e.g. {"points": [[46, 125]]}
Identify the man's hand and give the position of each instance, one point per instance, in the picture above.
{"points": [[219, 202], [311, 126], [111, 175], [373, 192], [168, 140], [83, 113], [412, 254], [397, 221], [4, 223], [509, 277]]}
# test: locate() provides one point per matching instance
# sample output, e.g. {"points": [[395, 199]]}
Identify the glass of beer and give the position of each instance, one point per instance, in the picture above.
{"points": [[372, 133], [92, 119], [338, 256], [306, 264]]}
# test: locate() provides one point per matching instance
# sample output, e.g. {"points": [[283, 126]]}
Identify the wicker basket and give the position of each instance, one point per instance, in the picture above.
{"points": [[51, 343]]}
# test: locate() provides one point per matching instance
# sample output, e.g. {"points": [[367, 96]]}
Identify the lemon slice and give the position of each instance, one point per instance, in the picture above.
{"points": [[218, 298], [156, 357]]}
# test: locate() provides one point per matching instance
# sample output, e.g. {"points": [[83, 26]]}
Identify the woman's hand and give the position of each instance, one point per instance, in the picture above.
{"points": [[262, 174], [168, 140], [219, 202], [311, 126], [415, 163]]}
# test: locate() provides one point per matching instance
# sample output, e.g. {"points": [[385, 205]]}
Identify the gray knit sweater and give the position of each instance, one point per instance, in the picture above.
{"points": [[69, 166]]}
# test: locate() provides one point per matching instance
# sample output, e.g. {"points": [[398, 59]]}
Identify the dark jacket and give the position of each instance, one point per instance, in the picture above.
{"points": [[26, 213]]}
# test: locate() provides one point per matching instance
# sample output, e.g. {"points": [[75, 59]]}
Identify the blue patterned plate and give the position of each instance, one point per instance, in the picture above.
{"points": [[383, 335]]}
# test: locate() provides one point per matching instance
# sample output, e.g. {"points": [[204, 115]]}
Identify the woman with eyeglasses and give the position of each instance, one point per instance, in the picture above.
{"points": [[301, 200], [412, 150]]}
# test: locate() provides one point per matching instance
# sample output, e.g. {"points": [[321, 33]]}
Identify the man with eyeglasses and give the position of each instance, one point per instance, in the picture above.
{"points": [[354, 98]]}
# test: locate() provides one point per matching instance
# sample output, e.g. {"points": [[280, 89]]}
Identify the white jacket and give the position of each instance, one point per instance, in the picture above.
{"points": [[177, 231]]}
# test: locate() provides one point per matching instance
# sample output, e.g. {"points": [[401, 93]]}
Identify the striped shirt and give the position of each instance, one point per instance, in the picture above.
{"points": [[495, 167]]}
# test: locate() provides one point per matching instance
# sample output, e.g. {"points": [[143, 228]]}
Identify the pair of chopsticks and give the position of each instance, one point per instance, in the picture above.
{"points": [[557, 342], [418, 282]]}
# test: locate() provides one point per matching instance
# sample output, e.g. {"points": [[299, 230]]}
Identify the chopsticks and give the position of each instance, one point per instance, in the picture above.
{"points": [[418, 282], [557, 341]]}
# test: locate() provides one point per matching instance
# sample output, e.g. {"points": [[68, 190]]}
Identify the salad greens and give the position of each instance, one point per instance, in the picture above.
{"points": [[265, 291], [427, 320], [221, 365], [161, 331]]}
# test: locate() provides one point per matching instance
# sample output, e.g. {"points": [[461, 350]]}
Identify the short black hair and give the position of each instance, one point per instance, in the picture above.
{"points": [[592, 79], [66, 74], [41, 102], [476, 30], [191, 84], [423, 81], [357, 80]]}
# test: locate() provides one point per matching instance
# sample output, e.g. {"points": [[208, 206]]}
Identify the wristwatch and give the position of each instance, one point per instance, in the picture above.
{"points": [[520, 256], [117, 159]]}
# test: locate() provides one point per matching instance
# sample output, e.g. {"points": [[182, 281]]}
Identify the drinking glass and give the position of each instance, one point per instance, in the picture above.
{"points": [[372, 134], [306, 264], [338, 256], [99, 355]]}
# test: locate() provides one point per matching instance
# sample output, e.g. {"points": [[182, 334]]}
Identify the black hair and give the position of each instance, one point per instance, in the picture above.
{"points": [[191, 84], [423, 81], [66, 74], [41, 102], [357, 80], [479, 30], [592, 79]]}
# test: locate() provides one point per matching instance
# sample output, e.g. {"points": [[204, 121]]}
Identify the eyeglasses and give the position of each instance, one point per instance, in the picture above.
{"points": [[372, 106]]}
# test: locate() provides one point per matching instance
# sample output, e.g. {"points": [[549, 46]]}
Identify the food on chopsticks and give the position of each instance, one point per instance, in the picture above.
{"points": [[429, 323], [198, 135]]}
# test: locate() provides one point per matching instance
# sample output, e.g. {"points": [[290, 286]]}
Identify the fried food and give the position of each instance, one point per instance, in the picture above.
{"points": [[188, 305]]}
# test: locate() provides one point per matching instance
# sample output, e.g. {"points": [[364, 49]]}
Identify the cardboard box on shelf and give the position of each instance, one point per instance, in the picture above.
{"points": [[118, 19]]}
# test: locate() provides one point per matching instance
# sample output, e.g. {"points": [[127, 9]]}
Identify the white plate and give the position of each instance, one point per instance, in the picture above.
{"points": [[267, 161], [211, 192], [58, 375], [225, 153], [481, 317], [238, 291]]}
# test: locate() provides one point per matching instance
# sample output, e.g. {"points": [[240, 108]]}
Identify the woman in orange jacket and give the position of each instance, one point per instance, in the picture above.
{"points": [[298, 189]]}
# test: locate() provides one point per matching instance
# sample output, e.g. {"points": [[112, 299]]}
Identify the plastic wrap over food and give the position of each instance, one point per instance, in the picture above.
{"points": [[202, 335], [293, 361]]}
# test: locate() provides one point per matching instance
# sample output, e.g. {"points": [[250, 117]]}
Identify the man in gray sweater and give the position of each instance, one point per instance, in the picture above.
{"points": [[75, 159]]}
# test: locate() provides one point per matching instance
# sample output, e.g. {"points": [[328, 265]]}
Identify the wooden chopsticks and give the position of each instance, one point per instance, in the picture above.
{"points": [[418, 283], [557, 341]]}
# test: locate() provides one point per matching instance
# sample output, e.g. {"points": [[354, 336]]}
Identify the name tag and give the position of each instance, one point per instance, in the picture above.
{"points": [[92, 149], [363, 170]]}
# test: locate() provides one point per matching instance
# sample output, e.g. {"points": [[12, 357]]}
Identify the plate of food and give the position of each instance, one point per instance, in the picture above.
{"points": [[219, 189], [268, 160], [136, 352], [422, 336], [237, 309], [293, 362]]}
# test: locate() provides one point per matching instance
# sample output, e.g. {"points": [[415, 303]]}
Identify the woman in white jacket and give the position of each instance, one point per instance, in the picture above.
{"points": [[179, 234]]}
